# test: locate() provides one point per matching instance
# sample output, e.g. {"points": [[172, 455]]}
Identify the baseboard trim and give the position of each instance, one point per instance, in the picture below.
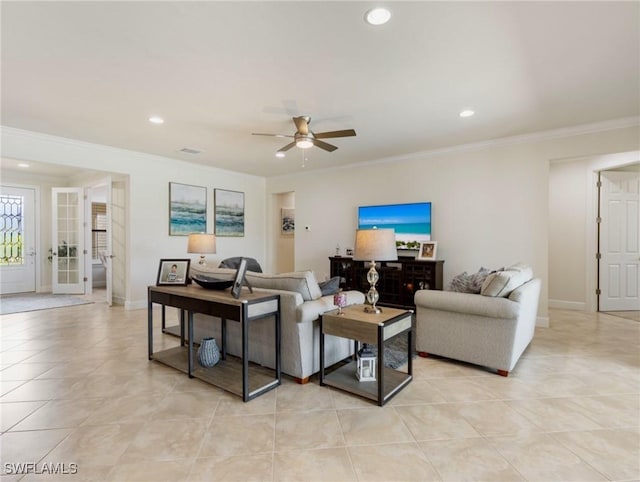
{"points": [[568, 305]]}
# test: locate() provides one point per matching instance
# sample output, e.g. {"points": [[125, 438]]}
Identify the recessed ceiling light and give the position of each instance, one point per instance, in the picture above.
{"points": [[156, 120], [467, 113], [280, 154], [23, 164], [377, 16]]}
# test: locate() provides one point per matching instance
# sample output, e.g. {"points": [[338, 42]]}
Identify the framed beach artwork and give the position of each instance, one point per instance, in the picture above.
{"points": [[428, 250], [229, 213], [187, 209], [288, 217]]}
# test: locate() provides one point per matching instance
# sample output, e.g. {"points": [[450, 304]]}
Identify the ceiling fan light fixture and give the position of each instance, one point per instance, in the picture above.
{"points": [[304, 143], [377, 16]]}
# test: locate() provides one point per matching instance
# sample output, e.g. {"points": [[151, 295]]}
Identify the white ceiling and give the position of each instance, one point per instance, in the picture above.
{"points": [[218, 71]]}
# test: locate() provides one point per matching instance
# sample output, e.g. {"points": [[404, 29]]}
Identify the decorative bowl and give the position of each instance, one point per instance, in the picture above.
{"points": [[210, 283]]}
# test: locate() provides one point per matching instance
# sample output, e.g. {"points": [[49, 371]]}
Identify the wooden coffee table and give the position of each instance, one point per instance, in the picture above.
{"points": [[374, 329]]}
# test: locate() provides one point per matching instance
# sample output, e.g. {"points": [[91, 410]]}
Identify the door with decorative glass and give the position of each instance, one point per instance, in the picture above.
{"points": [[17, 240], [67, 235]]}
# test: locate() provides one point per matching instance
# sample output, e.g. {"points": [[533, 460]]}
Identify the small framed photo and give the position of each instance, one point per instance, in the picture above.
{"points": [[288, 221], [428, 250], [239, 280], [173, 272]]}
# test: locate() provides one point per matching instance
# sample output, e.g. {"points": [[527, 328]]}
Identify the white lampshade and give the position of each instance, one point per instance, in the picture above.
{"points": [[201, 243], [375, 244]]}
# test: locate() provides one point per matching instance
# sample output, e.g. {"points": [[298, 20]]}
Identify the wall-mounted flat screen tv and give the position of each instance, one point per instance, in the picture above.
{"points": [[411, 222]]}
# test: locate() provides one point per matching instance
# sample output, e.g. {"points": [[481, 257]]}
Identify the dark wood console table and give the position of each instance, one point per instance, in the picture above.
{"points": [[231, 374], [399, 280]]}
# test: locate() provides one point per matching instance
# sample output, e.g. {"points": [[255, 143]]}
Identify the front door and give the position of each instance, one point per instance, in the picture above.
{"points": [[619, 241], [67, 237], [17, 240]]}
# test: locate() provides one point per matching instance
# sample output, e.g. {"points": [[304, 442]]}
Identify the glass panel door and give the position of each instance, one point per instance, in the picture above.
{"points": [[68, 240]]}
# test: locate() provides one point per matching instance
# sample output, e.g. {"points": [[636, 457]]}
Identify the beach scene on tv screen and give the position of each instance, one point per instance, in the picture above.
{"points": [[411, 222]]}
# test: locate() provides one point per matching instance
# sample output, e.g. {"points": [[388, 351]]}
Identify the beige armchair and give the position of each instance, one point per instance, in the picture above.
{"points": [[491, 331]]}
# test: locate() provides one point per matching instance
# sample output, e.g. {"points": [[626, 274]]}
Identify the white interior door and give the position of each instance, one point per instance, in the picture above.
{"points": [[117, 219], [108, 257], [17, 240], [67, 235], [619, 241]]}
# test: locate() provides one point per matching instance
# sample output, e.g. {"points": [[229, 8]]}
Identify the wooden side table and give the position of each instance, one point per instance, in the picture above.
{"points": [[229, 374], [375, 329]]}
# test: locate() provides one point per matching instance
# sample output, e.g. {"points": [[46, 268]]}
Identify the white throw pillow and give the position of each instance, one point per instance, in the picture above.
{"points": [[502, 283]]}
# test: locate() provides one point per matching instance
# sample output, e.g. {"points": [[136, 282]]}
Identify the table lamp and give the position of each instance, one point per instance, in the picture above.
{"points": [[201, 243], [371, 245]]}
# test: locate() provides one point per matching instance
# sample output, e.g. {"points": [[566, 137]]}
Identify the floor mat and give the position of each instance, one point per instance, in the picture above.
{"points": [[22, 302]]}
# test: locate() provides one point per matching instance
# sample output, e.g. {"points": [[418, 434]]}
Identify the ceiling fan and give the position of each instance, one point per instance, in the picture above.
{"points": [[304, 138]]}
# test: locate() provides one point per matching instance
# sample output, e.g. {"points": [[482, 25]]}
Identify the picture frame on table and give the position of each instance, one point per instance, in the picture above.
{"points": [[173, 272], [240, 280], [427, 250]]}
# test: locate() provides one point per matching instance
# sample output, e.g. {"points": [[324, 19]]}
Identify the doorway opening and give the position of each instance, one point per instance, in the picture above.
{"points": [[283, 253]]}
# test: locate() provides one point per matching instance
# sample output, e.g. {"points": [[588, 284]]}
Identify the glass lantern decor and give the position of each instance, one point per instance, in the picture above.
{"points": [[366, 364]]}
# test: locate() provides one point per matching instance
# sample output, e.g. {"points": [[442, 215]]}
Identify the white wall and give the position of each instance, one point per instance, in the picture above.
{"points": [[149, 178], [490, 202], [567, 234]]}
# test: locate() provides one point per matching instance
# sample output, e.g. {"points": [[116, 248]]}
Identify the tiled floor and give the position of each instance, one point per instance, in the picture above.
{"points": [[629, 315], [77, 389]]}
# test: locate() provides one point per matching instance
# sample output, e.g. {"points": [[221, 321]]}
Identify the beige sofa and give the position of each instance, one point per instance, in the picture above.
{"points": [[301, 303], [491, 329]]}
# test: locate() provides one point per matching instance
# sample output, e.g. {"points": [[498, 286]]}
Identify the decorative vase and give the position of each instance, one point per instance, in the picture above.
{"points": [[340, 300], [208, 352]]}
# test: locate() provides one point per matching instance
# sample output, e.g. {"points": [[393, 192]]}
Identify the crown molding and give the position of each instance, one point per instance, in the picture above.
{"points": [[77, 144], [560, 133]]}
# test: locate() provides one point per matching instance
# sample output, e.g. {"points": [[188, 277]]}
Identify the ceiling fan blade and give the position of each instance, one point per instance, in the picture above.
{"points": [[302, 124], [287, 147], [271, 135], [324, 145], [327, 135]]}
